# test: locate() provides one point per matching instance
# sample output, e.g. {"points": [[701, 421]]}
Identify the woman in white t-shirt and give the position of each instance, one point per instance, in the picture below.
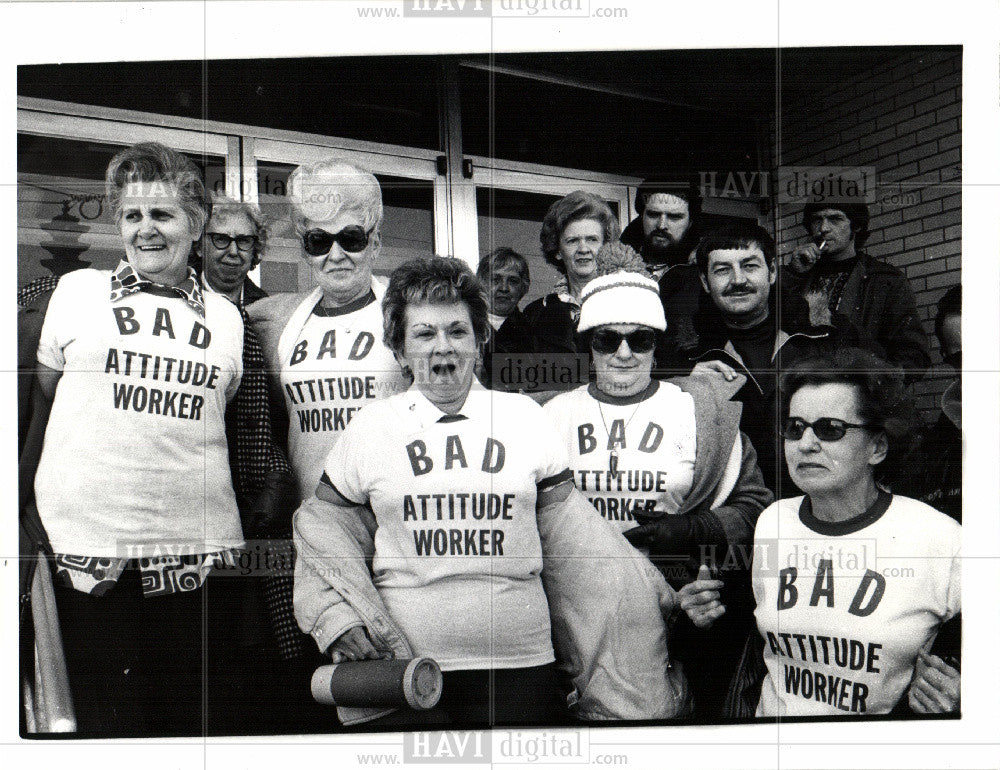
{"points": [[457, 488], [852, 583], [664, 463], [324, 346], [133, 485]]}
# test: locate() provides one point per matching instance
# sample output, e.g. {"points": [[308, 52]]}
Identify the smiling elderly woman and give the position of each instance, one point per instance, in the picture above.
{"points": [[324, 346], [854, 582], [133, 486], [456, 494]]}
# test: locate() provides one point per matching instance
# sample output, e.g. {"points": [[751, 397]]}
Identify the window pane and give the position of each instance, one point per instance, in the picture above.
{"points": [[555, 123], [389, 99], [63, 221]]}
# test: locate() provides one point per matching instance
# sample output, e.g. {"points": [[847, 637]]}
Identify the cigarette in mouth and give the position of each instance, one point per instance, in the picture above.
{"points": [[822, 245]]}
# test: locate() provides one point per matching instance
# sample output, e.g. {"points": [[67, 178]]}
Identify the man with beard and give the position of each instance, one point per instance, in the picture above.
{"points": [[666, 233]]}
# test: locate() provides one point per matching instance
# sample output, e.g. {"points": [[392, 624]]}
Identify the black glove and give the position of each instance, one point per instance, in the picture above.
{"points": [[269, 515], [680, 536]]}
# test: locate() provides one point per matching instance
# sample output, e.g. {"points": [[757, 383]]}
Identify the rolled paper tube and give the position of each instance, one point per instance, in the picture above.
{"points": [[53, 700], [414, 683], [28, 701]]}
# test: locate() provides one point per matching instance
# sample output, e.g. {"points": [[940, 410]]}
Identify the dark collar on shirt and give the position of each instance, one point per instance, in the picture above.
{"points": [[600, 395], [849, 526], [350, 307]]}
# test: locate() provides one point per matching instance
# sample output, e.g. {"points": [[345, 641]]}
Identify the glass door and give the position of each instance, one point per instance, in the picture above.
{"points": [[63, 219], [510, 204]]}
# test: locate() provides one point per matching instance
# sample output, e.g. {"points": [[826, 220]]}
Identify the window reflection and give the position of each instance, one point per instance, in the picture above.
{"points": [[63, 219]]}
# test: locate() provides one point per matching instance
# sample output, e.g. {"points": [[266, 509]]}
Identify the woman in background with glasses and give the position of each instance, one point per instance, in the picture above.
{"points": [[852, 583], [324, 348], [663, 462]]}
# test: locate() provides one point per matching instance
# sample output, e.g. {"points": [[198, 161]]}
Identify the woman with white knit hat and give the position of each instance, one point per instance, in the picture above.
{"points": [[662, 461]]}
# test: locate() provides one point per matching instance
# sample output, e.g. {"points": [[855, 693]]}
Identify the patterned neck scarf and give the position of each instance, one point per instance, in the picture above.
{"points": [[125, 281]]}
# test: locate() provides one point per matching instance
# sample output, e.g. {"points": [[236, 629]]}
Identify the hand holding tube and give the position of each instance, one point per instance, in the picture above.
{"points": [[354, 644]]}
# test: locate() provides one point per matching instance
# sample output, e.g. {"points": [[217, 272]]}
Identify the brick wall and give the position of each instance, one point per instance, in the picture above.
{"points": [[904, 118]]}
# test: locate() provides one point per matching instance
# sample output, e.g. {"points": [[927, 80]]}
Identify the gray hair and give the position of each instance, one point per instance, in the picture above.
{"points": [[499, 258], [320, 191], [227, 206], [154, 162]]}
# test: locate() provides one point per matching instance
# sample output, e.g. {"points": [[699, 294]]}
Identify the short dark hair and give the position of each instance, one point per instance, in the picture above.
{"points": [[437, 280], [687, 188], [883, 400], [574, 207], [856, 212], [950, 304], [739, 234], [499, 258], [154, 162]]}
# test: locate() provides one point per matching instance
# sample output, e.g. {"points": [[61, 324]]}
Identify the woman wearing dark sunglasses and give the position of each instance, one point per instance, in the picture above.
{"points": [[852, 583], [324, 347], [663, 462]]}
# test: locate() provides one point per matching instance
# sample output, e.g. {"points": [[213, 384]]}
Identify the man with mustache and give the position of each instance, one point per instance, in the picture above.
{"points": [[665, 234], [741, 332]]}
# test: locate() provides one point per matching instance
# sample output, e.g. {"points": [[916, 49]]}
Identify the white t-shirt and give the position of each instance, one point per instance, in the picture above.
{"points": [[135, 460], [457, 551], [653, 434], [337, 365], [844, 608]]}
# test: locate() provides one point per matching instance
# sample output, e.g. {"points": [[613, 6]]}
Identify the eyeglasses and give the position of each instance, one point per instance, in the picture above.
{"points": [[825, 428], [608, 340], [352, 238], [222, 241]]}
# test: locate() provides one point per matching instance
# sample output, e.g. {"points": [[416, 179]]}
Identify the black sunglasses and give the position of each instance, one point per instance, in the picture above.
{"points": [[352, 238], [825, 428], [222, 241], [608, 340]]}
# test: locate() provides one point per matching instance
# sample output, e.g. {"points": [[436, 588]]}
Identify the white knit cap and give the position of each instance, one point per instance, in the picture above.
{"points": [[621, 298]]}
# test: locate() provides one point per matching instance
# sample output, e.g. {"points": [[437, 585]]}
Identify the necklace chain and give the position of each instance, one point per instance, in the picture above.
{"points": [[613, 457]]}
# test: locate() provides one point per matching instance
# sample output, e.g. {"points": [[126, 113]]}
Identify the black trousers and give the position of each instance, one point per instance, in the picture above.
{"points": [[155, 666]]}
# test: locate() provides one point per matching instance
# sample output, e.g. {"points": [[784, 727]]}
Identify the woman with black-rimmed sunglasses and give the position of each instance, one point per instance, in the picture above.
{"points": [[852, 583], [324, 347], [664, 462]]}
